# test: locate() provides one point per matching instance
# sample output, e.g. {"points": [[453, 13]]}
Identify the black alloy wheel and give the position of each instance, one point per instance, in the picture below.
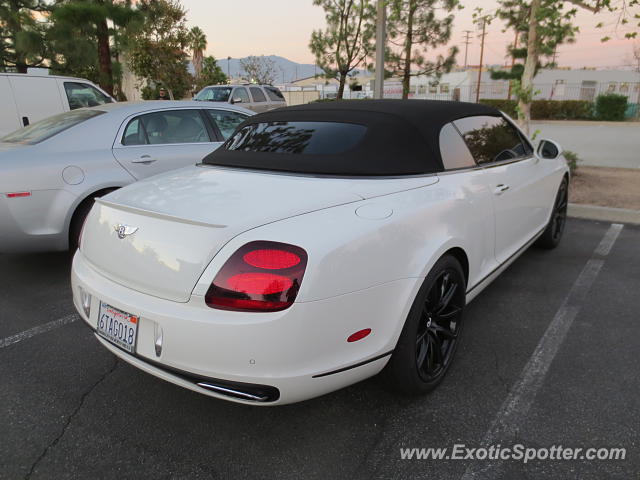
{"points": [[552, 235], [430, 336], [559, 216], [439, 325]]}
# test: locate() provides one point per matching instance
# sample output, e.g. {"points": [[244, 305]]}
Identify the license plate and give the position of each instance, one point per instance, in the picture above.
{"points": [[120, 328]]}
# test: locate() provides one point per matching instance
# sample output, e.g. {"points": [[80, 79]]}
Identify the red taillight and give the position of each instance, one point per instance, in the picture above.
{"points": [[18, 194], [271, 259], [260, 277]]}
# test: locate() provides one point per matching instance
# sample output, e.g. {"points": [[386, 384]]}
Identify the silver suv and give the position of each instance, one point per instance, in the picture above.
{"points": [[259, 98]]}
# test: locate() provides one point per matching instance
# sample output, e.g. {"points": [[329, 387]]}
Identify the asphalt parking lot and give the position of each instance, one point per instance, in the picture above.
{"points": [[69, 409]]}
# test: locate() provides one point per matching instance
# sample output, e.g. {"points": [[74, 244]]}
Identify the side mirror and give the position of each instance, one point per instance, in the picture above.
{"points": [[549, 149], [236, 100]]}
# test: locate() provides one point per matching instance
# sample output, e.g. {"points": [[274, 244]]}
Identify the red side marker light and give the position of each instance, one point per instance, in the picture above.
{"points": [[359, 335], [18, 194]]}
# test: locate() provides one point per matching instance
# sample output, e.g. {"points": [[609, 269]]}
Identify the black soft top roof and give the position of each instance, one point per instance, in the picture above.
{"points": [[402, 137]]}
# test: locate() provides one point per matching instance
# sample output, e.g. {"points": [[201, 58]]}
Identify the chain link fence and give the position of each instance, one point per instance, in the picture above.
{"points": [[498, 90]]}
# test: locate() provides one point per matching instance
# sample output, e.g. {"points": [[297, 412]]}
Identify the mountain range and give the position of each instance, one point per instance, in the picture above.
{"points": [[286, 70]]}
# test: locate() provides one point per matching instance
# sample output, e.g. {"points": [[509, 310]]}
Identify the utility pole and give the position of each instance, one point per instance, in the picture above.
{"points": [[467, 36], [513, 60], [484, 29], [380, 47]]}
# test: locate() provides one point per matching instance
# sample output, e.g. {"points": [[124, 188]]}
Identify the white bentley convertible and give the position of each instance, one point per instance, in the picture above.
{"points": [[320, 245]]}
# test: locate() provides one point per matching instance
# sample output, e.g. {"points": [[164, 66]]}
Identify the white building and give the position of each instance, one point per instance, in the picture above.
{"points": [[556, 84]]}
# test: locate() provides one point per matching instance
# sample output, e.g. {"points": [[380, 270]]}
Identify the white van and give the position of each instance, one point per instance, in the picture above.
{"points": [[27, 98]]}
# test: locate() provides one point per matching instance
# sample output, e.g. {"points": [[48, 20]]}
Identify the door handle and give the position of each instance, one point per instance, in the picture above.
{"points": [[500, 189], [145, 160]]}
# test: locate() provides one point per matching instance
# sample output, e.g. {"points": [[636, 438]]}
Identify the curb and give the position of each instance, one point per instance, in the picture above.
{"points": [[605, 214]]}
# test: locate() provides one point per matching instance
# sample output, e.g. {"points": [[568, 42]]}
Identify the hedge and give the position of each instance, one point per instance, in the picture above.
{"points": [[548, 109], [611, 106]]}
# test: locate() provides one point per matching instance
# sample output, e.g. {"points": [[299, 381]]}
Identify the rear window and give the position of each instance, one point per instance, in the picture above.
{"points": [[47, 128], [274, 94], [308, 138]]}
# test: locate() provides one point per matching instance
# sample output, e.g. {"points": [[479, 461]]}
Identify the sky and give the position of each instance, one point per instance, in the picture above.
{"points": [[283, 27]]}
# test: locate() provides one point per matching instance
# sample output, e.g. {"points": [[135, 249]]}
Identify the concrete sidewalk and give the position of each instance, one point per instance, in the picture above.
{"points": [[598, 144]]}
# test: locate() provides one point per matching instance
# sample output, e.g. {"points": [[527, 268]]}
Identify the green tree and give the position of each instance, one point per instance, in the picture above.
{"points": [[543, 25], [346, 42], [197, 43], [211, 73], [414, 26], [157, 50], [82, 38], [261, 70], [22, 34]]}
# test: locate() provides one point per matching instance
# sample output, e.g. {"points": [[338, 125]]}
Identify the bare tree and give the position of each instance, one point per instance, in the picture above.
{"points": [[260, 69]]}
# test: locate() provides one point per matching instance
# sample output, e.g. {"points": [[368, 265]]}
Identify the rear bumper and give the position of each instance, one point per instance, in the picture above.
{"points": [[286, 357], [35, 223]]}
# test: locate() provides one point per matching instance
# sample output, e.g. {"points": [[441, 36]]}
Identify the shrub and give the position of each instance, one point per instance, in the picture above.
{"points": [[572, 160], [547, 109], [507, 106], [611, 107], [561, 110]]}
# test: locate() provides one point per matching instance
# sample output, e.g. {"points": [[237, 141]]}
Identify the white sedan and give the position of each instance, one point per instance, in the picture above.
{"points": [[320, 245], [51, 171]]}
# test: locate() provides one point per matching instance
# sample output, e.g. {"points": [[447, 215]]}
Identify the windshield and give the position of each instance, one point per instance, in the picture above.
{"points": [[214, 94], [47, 128]]}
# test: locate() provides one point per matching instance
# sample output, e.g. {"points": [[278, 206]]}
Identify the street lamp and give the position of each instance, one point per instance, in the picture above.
{"points": [[228, 69]]}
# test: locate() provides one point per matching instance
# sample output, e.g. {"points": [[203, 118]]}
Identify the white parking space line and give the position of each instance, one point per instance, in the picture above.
{"points": [[32, 332], [514, 410]]}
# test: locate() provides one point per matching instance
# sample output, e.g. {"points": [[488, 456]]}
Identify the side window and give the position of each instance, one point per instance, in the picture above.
{"points": [[242, 94], [134, 134], [226, 121], [274, 94], [453, 150], [84, 95], [257, 94], [174, 126], [492, 139]]}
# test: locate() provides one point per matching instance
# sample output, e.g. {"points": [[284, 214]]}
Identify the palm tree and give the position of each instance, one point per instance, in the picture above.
{"points": [[198, 42]]}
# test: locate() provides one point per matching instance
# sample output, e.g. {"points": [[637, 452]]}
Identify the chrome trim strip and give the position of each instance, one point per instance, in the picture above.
{"points": [[229, 391], [150, 213], [355, 365]]}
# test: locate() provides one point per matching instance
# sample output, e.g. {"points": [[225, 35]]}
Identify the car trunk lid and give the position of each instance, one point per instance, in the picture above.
{"points": [[158, 236]]}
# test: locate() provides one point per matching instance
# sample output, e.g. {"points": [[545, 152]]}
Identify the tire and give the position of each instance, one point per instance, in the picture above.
{"points": [[552, 235], [434, 325], [77, 221]]}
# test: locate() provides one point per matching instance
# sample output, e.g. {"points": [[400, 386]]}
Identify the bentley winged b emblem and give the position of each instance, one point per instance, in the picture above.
{"points": [[124, 230]]}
